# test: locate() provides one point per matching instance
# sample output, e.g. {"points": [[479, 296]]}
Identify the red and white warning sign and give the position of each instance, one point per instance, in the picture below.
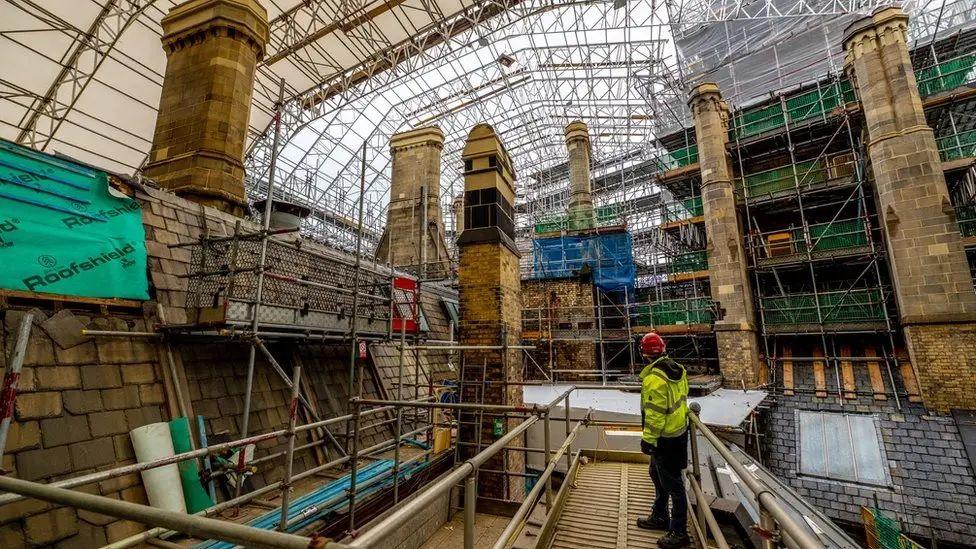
{"points": [[362, 349]]}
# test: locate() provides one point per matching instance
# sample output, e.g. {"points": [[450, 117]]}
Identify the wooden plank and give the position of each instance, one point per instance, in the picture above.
{"points": [[788, 384], [874, 372], [847, 372], [622, 518], [908, 377], [111, 302], [819, 373]]}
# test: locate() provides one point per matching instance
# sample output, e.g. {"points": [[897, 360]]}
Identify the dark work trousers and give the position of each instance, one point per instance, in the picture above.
{"points": [[670, 458]]}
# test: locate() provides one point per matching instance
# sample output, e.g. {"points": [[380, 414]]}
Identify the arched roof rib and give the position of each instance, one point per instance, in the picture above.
{"points": [[83, 78]]}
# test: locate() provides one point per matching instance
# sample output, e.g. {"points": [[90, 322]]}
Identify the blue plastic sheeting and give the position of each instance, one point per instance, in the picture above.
{"points": [[610, 257], [331, 497]]}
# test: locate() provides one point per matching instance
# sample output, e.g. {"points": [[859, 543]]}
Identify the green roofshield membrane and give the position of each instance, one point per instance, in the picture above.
{"points": [[64, 231]]}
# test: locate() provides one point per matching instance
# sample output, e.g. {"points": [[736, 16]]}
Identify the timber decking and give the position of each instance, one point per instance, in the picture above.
{"points": [[602, 508]]}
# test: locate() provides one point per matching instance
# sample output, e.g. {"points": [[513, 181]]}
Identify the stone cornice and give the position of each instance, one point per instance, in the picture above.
{"points": [[431, 136], [196, 20]]}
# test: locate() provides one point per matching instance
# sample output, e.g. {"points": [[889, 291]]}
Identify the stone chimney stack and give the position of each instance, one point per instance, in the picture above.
{"points": [[415, 183], [458, 208], [212, 49], [490, 296], [581, 196]]}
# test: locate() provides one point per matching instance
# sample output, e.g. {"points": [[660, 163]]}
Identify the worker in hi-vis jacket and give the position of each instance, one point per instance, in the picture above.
{"points": [[664, 416]]}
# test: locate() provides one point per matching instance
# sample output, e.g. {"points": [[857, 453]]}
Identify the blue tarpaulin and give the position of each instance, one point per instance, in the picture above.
{"points": [[608, 257]]}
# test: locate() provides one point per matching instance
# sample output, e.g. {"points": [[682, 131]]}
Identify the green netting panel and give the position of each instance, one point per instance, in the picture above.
{"points": [[884, 532], [758, 120], [686, 155], [842, 306], [607, 215], [676, 211], [604, 216], [946, 75], [678, 158], [966, 219], [815, 103], [689, 262], [681, 312], [778, 180], [847, 233], [961, 145]]}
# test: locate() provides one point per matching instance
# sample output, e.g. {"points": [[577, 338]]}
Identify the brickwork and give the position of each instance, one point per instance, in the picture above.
{"points": [[563, 307], [490, 310], [580, 192], [490, 304], [929, 269], [932, 483], [212, 49], [75, 408], [416, 171], [944, 356], [738, 349]]}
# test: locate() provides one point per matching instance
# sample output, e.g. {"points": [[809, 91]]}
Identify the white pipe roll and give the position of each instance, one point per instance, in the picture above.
{"points": [[163, 487]]}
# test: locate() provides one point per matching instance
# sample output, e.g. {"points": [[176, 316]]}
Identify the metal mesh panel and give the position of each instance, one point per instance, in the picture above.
{"points": [[227, 269]]}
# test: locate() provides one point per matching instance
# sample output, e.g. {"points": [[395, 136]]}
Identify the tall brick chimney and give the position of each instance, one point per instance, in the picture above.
{"points": [[416, 173], [490, 300], [581, 197], [735, 332], [928, 264], [212, 49]]}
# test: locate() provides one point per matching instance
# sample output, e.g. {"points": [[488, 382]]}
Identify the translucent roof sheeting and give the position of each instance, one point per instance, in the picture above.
{"points": [[83, 78]]}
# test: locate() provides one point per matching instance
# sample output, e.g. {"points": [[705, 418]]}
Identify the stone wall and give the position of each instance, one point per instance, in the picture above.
{"points": [[559, 309], [78, 399], [932, 482]]}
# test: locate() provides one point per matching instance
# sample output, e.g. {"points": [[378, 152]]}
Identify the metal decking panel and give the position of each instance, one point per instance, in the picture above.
{"points": [[603, 505]]}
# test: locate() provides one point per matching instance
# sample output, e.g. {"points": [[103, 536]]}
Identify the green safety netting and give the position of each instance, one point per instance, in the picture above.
{"points": [[677, 158], [960, 145], [688, 262], [676, 312], [64, 231], [864, 305], [684, 209], [883, 532], [798, 107], [848, 233], [946, 75], [604, 216], [966, 220], [783, 179]]}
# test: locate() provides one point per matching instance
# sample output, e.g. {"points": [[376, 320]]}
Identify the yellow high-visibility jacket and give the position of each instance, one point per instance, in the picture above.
{"points": [[664, 401]]}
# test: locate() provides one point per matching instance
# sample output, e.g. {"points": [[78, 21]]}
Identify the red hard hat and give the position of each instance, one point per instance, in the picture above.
{"points": [[652, 344]]}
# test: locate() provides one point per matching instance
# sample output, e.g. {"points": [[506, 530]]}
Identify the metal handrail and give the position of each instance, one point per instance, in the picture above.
{"points": [[771, 511], [541, 483]]}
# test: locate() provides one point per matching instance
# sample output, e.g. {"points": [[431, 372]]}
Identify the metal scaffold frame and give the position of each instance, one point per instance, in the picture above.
{"points": [[836, 170], [774, 517]]}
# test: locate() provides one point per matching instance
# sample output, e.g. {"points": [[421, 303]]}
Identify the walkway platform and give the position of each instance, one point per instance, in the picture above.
{"points": [[599, 507]]}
